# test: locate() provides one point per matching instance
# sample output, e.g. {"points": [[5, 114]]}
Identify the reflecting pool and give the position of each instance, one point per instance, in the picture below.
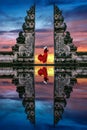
{"points": [[44, 98]]}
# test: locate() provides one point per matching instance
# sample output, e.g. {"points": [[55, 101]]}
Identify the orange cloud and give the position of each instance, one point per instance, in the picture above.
{"points": [[82, 49], [82, 80]]}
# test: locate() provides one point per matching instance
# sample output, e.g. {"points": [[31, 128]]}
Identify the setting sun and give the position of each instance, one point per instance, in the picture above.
{"points": [[50, 70], [50, 59]]}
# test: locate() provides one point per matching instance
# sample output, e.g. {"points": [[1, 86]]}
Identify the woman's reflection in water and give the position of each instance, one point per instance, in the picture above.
{"points": [[43, 72]]}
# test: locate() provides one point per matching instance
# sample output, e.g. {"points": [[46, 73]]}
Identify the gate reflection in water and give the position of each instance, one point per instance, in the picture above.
{"points": [[46, 96]]}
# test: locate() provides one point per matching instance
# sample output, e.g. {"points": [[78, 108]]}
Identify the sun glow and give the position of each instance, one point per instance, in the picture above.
{"points": [[50, 70], [50, 59]]}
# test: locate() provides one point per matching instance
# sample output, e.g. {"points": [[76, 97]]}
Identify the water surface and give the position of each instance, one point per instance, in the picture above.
{"points": [[28, 101]]}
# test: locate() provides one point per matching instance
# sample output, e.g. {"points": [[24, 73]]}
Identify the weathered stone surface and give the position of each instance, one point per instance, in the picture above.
{"points": [[24, 49], [63, 46]]}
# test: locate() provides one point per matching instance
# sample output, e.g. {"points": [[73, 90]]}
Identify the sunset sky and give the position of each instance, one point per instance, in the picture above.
{"points": [[12, 13], [12, 112]]}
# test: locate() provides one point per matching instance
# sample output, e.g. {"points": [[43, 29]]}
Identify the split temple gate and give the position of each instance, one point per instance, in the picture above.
{"points": [[25, 43], [23, 52]]}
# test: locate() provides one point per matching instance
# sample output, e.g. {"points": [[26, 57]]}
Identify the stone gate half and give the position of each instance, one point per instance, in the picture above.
{"points": [[64, 49], [24, 48]]}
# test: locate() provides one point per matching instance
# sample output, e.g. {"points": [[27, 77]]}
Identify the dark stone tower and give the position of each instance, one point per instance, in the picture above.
{"points": [[63, 46], [24, 49]]}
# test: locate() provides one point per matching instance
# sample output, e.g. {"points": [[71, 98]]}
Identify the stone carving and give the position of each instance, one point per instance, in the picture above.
{"points": [[63, 84], [25, 88], [63, 46], [24, 49], [29, 44]]}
